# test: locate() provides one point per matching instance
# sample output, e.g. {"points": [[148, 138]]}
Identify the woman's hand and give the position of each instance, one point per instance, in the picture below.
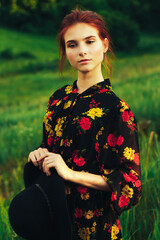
{"points": [[35, 155], [54, 160]]}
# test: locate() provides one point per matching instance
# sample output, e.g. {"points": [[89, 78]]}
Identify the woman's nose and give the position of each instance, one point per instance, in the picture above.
{"points": [[82, 51]]}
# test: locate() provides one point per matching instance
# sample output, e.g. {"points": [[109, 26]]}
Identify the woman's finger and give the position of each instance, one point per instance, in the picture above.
{"points": [[32, 158], [47, 164], [39, 152], [45, 155]]}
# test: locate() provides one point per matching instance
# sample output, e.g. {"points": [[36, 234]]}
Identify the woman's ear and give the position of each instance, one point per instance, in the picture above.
{"points": [[105, 45]]}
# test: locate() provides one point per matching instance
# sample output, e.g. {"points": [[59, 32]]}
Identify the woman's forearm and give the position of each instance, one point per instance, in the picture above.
{"points": [[88, 179]]}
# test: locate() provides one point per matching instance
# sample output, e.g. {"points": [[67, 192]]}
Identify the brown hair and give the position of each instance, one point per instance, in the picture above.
{"points": [[89, 17]]}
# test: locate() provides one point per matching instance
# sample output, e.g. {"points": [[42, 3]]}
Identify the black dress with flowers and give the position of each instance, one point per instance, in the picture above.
{"points": [[95, 132]]}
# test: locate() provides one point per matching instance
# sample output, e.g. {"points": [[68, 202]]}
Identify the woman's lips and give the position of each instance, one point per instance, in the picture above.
{"points": [[84, 61]]}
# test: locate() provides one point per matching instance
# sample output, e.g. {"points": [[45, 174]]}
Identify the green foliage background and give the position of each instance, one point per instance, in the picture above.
{"points": [[125, 19], [29, 75]]}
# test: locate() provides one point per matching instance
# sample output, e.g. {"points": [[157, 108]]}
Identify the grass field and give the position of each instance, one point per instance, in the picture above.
{"points": [[29, 75]]}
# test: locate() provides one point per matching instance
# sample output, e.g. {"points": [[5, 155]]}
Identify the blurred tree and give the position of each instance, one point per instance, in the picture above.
{"points": [[125, 19], [146, 13], [123, 30]]}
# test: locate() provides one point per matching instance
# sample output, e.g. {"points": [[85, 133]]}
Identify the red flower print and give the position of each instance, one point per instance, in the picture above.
{"points": [[96, 212], [123, 201], [113, 196], [124, 103], [131, 127], [97, 147], [127, 177], [79, 161], [78, 213], [136, 159], [112, 140], [85, 123], [103, 90], [65, 98], [131, 114], [132, 177], [125, 116], [54, 102], [82, 189], [101, 168], [118, 224], [138, 183], [74, 91], [49, 141], [50, 114], [120, 140]]}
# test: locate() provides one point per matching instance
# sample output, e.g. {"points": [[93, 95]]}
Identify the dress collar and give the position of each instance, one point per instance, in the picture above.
{"points": [[98, 87]]}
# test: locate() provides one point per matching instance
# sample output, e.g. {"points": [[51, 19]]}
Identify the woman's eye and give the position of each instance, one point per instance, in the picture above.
{"points": [[71, 46], [90, 41]]}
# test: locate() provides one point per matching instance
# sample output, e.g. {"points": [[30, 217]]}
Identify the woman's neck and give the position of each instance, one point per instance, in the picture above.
{"points": [[88, 79]]}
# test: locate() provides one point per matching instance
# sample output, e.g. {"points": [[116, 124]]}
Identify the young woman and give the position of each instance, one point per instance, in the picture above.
{"points": [[90, 135]]}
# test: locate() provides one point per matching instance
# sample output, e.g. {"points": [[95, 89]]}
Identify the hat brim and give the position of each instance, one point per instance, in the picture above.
{"points": [[40, 211]]}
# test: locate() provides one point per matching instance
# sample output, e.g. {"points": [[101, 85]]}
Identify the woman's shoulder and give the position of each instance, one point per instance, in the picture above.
{"points": [[118, 107], [119, 102], [112, 101], [60, 93]]}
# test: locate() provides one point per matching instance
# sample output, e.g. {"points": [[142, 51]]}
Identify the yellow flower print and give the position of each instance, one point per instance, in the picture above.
{"points": [[95, 112], [57, 104], [129, 153], [114, 232], [47, 126], [94, 224], [46, 118], [93, 229], [84, 233], [67, 104], [85, 196], [129, 122], [101, 212], [133, 173], [87, 96], [59, 124], [105, 178], [108, 171], [67, 190], [105, 226], [89, 214], [124, 106], [99, 133], [51, 132], [66, 142], [58, 127], [59, 133], [127, 191], [69, 143], [61, 143], [68, 89], [105, 146], [74, 102]]}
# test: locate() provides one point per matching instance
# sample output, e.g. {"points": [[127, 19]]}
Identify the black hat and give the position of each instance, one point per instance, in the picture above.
{"points": [[40, 211]]}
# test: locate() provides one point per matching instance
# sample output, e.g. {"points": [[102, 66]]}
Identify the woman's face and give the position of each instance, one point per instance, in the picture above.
{"points": [[84, 48]]}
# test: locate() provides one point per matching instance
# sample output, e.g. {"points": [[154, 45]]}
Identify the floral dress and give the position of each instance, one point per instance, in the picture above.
{"points": [[95, 131]]}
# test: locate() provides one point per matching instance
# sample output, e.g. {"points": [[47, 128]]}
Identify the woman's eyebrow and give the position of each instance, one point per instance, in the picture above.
{"points": [[83, 39]]}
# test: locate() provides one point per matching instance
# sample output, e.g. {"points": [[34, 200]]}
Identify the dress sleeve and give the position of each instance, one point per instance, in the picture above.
{"points": [[46, 126], [119, 159]]}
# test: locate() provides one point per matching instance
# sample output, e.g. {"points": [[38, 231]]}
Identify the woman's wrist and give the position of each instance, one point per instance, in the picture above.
{"points": [[70, 175], [87, 179]]}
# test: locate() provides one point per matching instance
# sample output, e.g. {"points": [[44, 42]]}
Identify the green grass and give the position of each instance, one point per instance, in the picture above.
{"points": [[26, 82]]}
